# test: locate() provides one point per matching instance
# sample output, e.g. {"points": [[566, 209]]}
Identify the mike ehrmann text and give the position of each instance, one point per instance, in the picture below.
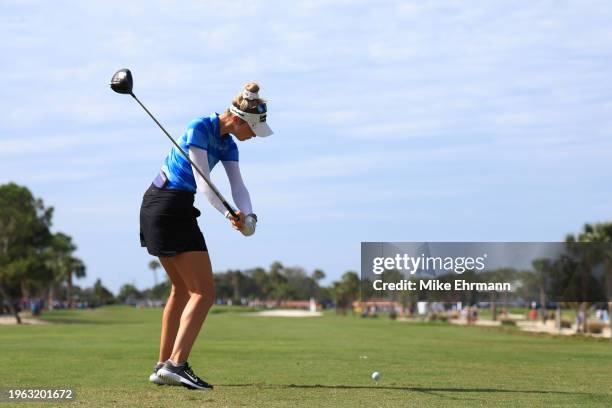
{"points": [[437, 285]]}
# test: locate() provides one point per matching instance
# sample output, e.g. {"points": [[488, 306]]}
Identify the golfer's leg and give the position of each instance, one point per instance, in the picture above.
{"points": [[179, 295], [196, 271]]}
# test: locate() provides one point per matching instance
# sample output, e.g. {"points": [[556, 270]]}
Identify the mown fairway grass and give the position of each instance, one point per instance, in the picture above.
{"points": [[107, 355]]}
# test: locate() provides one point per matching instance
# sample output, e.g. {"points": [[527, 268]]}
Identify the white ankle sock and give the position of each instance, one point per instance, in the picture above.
{"points": [[175, 364]]}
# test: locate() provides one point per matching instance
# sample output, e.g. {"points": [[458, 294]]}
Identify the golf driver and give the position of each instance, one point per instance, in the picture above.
{"points": [[123, 83]]}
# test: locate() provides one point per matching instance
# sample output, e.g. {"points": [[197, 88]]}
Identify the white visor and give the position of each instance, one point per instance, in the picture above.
{"points": [[256, 121]]}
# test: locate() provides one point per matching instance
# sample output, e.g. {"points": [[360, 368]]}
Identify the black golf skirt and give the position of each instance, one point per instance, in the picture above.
{"points": [[168, 224]]}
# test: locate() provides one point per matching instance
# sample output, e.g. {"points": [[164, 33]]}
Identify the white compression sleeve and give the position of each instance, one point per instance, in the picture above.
{"points": [[200, 157], [240, 194]]}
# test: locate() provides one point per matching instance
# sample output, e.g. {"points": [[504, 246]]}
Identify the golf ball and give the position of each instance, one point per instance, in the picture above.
{"points": [[376, 376]]}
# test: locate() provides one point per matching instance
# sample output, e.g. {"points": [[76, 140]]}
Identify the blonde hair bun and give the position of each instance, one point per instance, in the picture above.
{"points": [[249, 100]]}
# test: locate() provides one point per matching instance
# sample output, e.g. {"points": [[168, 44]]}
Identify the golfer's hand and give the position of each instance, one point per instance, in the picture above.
{"points": [[238, 224]]}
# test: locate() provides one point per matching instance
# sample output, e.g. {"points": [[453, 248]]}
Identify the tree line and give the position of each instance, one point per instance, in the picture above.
{"points": [[35, 262], [38, 263], [273, 285]]}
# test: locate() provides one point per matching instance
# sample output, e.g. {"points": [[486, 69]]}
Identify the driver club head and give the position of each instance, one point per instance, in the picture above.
{"points": [[122, 81]]}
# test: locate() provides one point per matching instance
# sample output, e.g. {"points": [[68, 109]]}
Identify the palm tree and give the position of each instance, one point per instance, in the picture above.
{"points": [[495, 276], [63, 265], [318, 275], [154, 265], [75, 268], [236, 277], [315, 288], [600, 233], [542, 268], [346, 291], [278, 288]]}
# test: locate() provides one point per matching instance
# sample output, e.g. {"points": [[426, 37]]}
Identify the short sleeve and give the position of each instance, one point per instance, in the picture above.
{"points": [[197, 135], [231, 153]]}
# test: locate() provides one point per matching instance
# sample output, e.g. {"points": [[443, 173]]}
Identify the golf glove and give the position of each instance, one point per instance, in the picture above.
{"points": [[250, 222]]}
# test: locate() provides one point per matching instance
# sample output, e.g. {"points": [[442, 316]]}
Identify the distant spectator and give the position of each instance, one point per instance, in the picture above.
{"points": [[472, 314], [580, 321], [533, 314], [35, 306]]}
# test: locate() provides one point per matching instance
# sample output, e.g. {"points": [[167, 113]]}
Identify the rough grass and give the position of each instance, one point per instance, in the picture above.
{"points": [[106, 355]]}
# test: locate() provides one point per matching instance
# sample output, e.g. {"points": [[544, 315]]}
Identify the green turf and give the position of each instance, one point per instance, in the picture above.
{"points": [[107, 355]]}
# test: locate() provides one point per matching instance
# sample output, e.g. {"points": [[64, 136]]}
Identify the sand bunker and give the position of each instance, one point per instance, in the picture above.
{"points": [[287, 313], [8, 320]]}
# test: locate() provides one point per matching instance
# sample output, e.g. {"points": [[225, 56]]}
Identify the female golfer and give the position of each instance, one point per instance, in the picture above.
{"points": [[169, 230]]}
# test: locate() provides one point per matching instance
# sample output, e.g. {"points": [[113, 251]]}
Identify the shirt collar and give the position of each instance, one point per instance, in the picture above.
{"points": [[215, 123], [216, 127]]}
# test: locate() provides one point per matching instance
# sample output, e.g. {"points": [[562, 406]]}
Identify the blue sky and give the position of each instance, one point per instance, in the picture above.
{"points": [[394, 121]]}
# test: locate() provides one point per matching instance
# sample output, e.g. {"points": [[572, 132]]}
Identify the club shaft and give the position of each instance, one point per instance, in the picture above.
{"points": [[211, 185]]}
